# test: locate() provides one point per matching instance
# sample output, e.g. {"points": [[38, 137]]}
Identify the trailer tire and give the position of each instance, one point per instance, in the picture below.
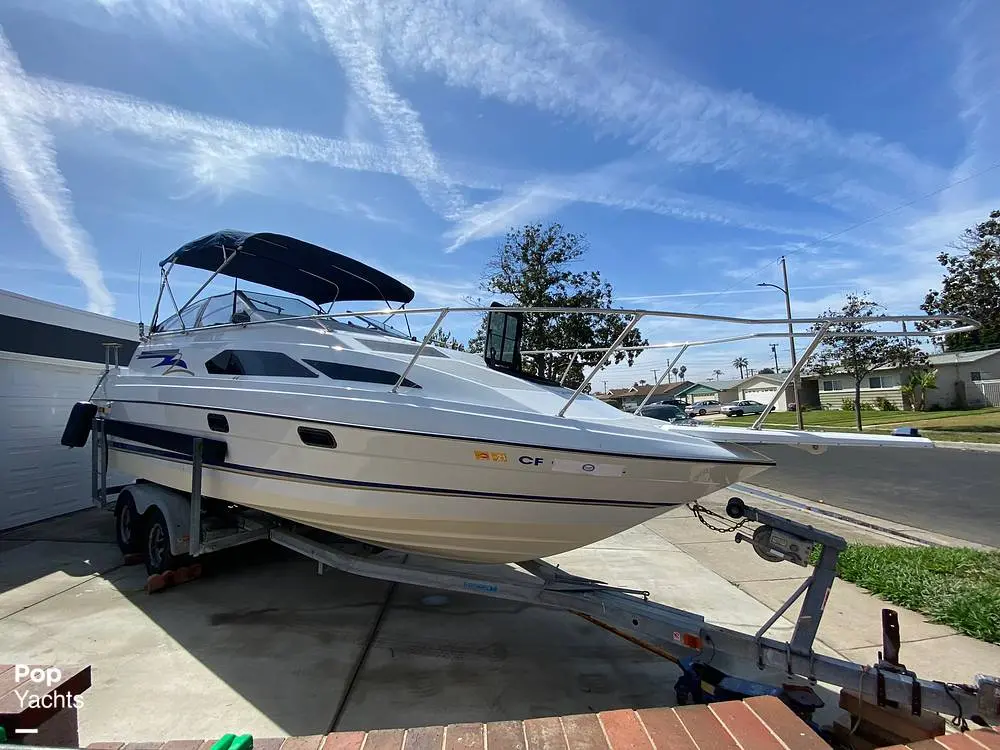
{"points": [[158, 556], [128, 524]]}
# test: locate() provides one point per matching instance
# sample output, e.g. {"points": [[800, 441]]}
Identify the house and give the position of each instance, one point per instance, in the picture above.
{"points": [[762, 388], [628, 399], [723, 391], [963, 379]]}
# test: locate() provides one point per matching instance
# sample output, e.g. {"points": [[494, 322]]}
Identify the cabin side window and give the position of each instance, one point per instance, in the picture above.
{"points": [[339, 371], [246, 362]]}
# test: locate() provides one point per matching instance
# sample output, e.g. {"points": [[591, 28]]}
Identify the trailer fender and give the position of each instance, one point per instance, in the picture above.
{"points": [[176, 509]]}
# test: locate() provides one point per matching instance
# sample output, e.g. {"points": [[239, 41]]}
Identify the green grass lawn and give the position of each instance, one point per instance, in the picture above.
{"points": [[974, 425], [953, 586]]}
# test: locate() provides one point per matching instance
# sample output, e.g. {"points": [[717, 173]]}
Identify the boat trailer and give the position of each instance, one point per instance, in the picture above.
{"points": [[682, 637]]}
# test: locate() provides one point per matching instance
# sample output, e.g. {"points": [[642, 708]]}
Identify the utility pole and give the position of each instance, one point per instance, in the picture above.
{"points": [[791, 345], [654, 376], [791, 341]]}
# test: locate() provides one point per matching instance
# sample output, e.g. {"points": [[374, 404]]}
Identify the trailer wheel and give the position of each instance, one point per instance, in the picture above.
{"points": [[159, 558], [128, 525]]}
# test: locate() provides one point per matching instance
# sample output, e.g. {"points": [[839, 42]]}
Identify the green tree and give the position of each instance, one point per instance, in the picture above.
{"points": [[533, 267], [858, 356], [971, 286], [742, 364], [444, 338]]}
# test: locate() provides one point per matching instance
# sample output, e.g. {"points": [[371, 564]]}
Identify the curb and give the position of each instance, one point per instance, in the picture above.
{"points": [[956, 445], [909, 534]]}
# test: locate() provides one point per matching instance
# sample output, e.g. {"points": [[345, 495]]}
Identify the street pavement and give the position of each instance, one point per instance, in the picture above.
{"points": [[947, 491]]}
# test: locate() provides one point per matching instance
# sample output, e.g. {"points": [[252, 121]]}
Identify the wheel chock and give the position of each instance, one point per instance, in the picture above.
{"points": [[169, 578]]}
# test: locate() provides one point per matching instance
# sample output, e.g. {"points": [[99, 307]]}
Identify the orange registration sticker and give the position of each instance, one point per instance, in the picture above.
{"points": [[490, 456]]}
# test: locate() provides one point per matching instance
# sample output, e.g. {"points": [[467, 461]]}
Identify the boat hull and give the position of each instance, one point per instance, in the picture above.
{"points": [[461, 499]]}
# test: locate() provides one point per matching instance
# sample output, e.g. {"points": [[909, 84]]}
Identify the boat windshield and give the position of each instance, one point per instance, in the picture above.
{"points": [[222, 309], [274, 304]]}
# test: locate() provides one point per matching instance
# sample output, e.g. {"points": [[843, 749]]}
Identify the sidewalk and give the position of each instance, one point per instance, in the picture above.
{"points": [[851, 625]]}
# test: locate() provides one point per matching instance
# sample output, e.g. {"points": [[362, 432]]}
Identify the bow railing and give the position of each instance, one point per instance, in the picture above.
{"points": [[824, 326]]}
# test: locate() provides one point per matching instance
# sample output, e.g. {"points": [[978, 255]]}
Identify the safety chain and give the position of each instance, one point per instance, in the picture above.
{"points": [[700, 511]]}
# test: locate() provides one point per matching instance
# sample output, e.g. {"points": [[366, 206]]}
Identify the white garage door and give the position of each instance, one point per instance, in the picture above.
{"points": [[41, 478], [764, 396]]}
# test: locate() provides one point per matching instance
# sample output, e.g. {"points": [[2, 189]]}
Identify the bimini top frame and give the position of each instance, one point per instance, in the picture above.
{"points": [[826, 326], [284, 263]]}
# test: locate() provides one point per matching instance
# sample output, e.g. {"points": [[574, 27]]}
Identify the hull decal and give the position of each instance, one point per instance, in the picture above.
{"points": [[376, 486]]}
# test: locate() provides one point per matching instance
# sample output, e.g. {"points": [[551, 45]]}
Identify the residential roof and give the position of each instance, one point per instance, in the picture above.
{"points": [[950, 358], [777, 379], [641, 390]]}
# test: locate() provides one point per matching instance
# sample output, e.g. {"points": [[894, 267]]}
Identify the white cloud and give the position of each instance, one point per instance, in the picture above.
{"points": [[353, 30], [29, 169], [111, 111], [493, 218], [536, 53]]}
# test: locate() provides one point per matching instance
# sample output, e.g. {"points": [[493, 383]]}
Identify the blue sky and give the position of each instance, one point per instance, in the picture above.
{"points": [[692, 143]]}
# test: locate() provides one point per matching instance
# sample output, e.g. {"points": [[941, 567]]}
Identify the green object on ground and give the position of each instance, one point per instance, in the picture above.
{"points": [[3, 735], [232, 742], [954, 586]]}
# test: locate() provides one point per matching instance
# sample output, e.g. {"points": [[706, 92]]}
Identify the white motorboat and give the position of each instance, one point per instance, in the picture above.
{"points": [[347, 425]]}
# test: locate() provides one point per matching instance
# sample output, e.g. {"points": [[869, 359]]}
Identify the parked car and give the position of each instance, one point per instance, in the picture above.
{"points": [[666, 412], [701, 408], [739, 408], [679, 403]]}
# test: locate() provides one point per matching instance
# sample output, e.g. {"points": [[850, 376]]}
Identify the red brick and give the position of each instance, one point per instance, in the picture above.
{"points": [[584, 732], [207, 744], [988, 738], [544, 734], [504, 735], [339, 741], [384, 739], [958, 742], [665, 729], [745, 726], [311, 742], [925, 745], [189, 745], [268, 743], [788, 727], [623, 730], [706, 730], [428, 738], [465, 737], [143, 746], [106, 746]]}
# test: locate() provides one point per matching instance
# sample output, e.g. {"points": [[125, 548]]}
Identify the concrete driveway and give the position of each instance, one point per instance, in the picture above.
{"points": [[263, 644]]}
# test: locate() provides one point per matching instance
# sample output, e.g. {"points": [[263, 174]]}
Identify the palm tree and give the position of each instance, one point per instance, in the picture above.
{"points": [[742, 364], [717, 373]]}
